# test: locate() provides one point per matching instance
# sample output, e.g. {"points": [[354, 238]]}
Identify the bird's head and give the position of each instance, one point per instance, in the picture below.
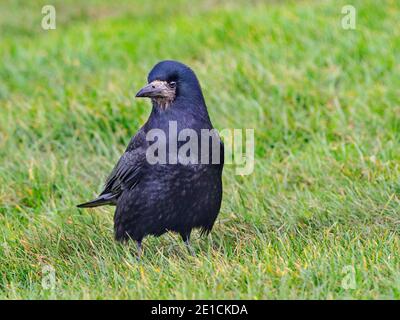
{"points": [[169, 81]]}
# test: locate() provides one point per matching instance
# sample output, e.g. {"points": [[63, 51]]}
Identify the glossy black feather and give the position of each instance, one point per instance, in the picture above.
{"points": [[153, 199]]}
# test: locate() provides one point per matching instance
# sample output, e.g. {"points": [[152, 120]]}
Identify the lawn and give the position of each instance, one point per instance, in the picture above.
{"points": [[319, 218]]}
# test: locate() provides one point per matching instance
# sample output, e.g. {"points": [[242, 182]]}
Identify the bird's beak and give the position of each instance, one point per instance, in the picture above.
{"points": [[152, 90]]}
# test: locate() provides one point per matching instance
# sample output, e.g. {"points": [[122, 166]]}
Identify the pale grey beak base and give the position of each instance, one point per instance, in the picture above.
{"points": [[161, 93], [155, 89]]}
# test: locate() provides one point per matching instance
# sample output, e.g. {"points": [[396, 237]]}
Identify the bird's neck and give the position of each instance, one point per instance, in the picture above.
{"points": [[181, 111]]}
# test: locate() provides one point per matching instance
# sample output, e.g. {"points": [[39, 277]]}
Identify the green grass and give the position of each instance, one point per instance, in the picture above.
{"points": [[325, 106]]}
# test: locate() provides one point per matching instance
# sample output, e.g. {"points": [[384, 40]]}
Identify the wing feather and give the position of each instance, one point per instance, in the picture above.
{"points": [[129, 168]]}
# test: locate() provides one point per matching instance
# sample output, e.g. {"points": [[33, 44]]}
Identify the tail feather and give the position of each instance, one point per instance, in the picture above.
{"points": [[102, 200]]}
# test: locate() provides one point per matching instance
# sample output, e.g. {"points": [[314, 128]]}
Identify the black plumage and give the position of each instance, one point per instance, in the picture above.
{"points": [[156, 198]]}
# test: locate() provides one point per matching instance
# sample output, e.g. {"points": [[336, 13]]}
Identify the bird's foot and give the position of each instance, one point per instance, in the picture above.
{"points": [[190, 248], [138, 254]]}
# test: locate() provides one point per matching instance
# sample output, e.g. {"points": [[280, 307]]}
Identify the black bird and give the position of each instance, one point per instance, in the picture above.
{"points": [[152, 199]]}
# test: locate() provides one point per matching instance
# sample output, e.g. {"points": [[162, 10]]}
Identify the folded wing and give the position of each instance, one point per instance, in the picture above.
{"points": [[125, 175]]}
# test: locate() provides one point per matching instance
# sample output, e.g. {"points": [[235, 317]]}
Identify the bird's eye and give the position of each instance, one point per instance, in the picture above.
{"points": [[172, 84]]}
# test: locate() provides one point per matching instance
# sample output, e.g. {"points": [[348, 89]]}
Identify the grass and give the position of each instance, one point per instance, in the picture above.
{"points": [[322, 204]]}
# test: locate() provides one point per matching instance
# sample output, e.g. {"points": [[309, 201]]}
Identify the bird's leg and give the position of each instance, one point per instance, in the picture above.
{"points": [[139, 249], [186, 239]]}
